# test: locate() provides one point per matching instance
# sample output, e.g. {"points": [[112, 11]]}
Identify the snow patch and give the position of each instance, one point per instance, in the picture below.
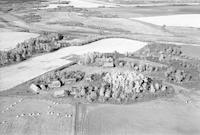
{"points": [[9, 40], [184, 20]]}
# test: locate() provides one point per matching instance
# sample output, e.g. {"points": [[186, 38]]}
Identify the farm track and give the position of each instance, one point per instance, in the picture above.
{"points": [[80, 116], [76, 119], [83, 119]]}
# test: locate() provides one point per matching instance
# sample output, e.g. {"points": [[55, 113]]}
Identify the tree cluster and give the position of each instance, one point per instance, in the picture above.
{"points": [[119, 87], [24, 50], [91, 58], [141, 67], [99, 59], [59, 78], [176, 75], [125, 85], [173, 51]]}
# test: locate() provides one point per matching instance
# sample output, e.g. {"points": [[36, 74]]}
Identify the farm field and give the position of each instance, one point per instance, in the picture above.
{"points": [[156, 117], [187, 20], [81, 4], [43, 116], [9, 40], [152, 2]]}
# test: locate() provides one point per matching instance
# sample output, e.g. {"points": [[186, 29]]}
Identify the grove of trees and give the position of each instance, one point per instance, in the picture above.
{"points": [[177, 75], [24, 50], [117, 86]]}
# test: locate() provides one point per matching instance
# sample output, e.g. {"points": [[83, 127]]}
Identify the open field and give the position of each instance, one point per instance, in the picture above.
{"points": [[9, 40], [187, 20], [102, 21], [164, 117], [192, 51], [152, 2], [43, 116], [79, 4]]}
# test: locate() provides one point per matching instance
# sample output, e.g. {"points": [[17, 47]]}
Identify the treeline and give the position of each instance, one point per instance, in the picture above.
{"points": [[24, 50]]}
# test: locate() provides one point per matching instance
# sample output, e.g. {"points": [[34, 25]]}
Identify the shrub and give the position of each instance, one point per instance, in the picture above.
{"points": [[78, 75]]}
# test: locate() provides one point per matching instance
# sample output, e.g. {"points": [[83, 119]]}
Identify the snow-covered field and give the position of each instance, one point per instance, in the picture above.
{"points": [[86, 4], [184, 20], [80, 4], [9, 40], [16, 74]]}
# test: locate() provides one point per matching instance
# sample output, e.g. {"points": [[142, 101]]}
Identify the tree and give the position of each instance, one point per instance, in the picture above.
{"points": [[18, 57], [4, 57], [92, 96], [83, 91], [108, 93], [86, 59], [102, 91], [179, 75], [116, 94]]}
